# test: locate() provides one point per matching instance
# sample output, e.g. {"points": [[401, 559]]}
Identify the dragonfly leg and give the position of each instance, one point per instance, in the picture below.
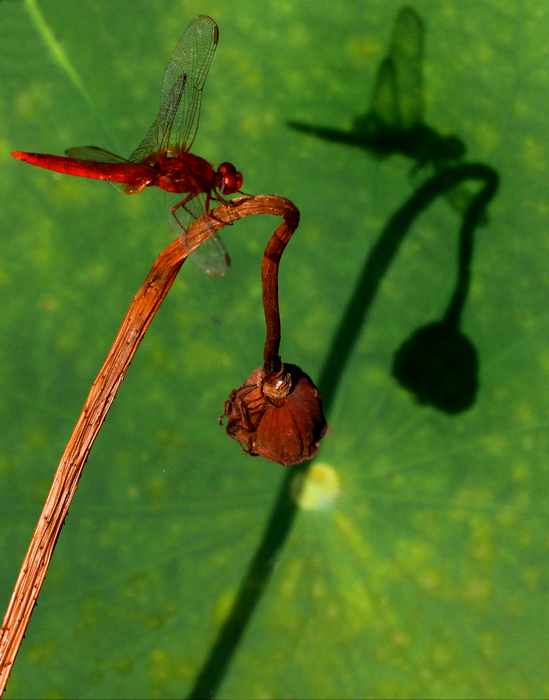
{"points": [[182, 203], [207, 201], [222, 200]]}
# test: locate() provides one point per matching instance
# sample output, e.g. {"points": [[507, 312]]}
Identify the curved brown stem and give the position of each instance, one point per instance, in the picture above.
{"points": [[103, 391], [269, 278]]}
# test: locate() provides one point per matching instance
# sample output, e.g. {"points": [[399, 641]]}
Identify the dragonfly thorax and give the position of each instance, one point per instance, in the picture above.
{"points": [[183, 172]]}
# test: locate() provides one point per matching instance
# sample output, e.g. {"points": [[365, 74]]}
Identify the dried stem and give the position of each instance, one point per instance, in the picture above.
{"points": [[103, 391], [269, 278]]}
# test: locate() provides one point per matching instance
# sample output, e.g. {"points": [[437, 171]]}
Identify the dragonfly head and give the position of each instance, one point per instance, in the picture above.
{"points": [[227, 179]]}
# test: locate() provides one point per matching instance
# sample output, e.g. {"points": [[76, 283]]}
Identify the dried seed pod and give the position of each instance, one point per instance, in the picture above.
{"points": [[278, 416]]}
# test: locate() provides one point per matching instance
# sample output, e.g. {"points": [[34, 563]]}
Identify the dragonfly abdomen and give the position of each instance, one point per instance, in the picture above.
{"points": [[123, 172]]}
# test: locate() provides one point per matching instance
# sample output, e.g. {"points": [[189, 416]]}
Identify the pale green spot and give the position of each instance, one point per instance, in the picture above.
{"points": [[485, 54], [544, 361], [362, 49], [541, 208], [48, 303], [478, 590], [442, 655], [532, 578], [488, 644], [205, 356], [495, 444], [375, 376], [360, 611], [68, 191], [289, 584], [6, 467], [429, 579], [507, 516], [482, 548], [525, 414], [299, 35], [4, 151], [488, 137], [319, 590], [353, 537], [522, 109], [401, 639], [132, 492], [533, 154], [29, 101], [43, 653], [520, 472], [317, 489], [5, 278], [68, 342], [156, 490], [249, 124], [223, 607], [160, 670], [449, 11]]}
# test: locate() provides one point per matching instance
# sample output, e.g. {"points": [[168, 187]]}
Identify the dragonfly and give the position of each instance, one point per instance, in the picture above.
{"points": [[163, 158]]}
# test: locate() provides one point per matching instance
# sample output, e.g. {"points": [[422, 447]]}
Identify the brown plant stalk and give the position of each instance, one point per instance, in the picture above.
{"points": [[103, 391]]}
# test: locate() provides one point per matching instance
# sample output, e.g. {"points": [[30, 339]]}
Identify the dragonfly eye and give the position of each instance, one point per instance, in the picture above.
{"points": [[228, 179]]}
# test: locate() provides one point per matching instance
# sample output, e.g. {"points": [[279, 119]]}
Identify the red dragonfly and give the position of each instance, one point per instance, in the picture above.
{"points": [[163, 159]]}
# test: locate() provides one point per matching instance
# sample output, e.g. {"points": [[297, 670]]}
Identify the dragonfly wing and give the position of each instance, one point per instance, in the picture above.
{"points": [[158, 136], [407, 49], [212, 256], [176, 124], [192, 57], [100, 155]]}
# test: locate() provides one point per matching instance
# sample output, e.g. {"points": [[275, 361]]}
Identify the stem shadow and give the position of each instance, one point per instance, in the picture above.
{"points": [[284, 511]]}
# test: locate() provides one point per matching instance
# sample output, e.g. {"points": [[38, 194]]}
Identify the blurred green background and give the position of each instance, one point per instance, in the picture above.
{"points": [[424, 571]]}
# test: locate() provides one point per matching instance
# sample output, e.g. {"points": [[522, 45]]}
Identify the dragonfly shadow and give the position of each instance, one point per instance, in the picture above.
{"points": [[394, 123]]}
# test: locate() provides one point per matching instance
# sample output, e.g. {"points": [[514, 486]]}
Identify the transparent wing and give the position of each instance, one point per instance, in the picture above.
{"points": [[99, 155], [176, 123], [406, 53], [158, 136], [385, 104], [212, 256], [192, 57]]}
